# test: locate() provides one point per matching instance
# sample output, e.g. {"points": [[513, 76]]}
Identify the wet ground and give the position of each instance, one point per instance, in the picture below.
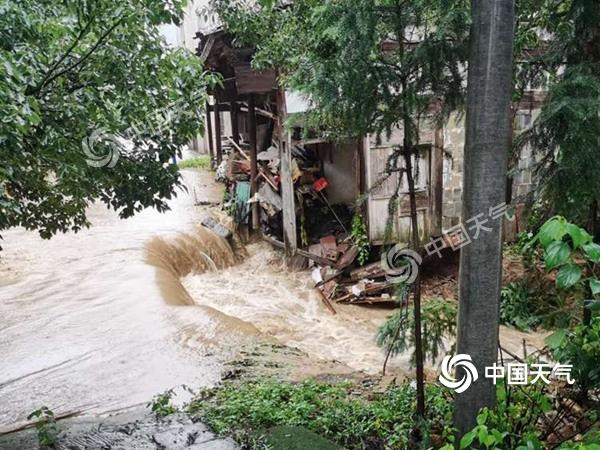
{"points": [[135, 430]]}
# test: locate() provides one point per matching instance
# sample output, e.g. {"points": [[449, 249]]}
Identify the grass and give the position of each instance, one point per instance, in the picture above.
{"points": [[333, 411], [199, 162]]}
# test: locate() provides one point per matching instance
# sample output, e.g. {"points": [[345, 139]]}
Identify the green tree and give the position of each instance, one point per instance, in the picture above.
{"points": [[486, 158], [82, 84], [565, 135]]}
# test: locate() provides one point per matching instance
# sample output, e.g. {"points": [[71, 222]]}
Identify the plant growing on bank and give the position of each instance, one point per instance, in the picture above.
{"points": [[517, 308], [331, 410], [360, 237], [47, 429], [580, 346], [439, 328], [161, 404], [570, 251]]}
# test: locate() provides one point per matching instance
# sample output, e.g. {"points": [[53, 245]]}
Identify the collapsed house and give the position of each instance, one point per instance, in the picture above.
{"points": [[301, 192]]}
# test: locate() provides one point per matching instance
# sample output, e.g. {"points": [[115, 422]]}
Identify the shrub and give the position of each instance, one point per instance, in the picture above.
{"points": [[46, 427], [580, 347], [516, 307]]}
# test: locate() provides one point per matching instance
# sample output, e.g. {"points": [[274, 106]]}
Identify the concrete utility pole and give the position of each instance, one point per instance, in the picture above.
{"points": [[484, 187]]}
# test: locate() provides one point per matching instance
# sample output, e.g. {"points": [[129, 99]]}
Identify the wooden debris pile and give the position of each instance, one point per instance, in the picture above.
{"points": [[339, 281]]}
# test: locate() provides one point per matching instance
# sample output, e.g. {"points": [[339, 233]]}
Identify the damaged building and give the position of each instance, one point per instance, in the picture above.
{"points": [[299, 190]]}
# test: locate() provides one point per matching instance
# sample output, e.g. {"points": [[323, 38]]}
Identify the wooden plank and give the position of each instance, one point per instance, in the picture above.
{"points": [[316, 258], [253, 161], [287, 184], [326, 301], [249, 81]]}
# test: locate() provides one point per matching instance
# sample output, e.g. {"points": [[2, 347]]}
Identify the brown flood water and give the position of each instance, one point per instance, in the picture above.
{"points": [[104, 319]]}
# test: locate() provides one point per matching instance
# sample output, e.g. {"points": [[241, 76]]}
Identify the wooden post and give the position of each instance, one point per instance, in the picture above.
{"points": [[437, 181], [253, 161], [211, 149], [235, 128], [218, 132], [287, 184]]}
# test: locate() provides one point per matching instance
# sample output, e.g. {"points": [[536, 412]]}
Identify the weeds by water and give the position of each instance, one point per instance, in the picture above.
{"points": [[46, 427], [334, 411], [199, 162], [161, 404]]}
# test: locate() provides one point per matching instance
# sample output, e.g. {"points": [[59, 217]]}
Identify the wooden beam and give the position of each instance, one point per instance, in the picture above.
{"points": [[235, 128], [287, 185], [209, 129], [218, 133], [253, 161], [316, 258]]}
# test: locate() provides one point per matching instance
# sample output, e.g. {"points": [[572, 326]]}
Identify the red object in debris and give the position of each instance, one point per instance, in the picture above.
{"points": [[320, 184]]}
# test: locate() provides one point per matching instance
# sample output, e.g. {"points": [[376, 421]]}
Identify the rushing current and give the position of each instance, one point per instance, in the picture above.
{"points": [[106, 318]]}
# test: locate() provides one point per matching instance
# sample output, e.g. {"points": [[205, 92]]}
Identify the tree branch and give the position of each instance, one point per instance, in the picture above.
{"points": [[86, 55]]}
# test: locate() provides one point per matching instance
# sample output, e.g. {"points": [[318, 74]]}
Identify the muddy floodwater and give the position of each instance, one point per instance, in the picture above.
{"points": [[102, 320], [97, 321]]}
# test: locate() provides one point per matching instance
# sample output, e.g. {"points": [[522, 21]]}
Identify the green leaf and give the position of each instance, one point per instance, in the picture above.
{"points": [[489, 440], [556, 254], [553, 230], [595, 286], [467, 440], [556, 339], [568, 276], [593, 305], [578, 234], [592, 251]]}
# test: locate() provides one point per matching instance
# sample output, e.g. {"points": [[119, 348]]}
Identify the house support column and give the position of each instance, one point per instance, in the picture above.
{"points": [[209, 130], [287, 184], [253, 161], [218, 132], [235, 130], [437, 181]]}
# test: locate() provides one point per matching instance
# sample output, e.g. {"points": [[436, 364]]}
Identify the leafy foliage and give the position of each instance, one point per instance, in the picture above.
{"points": [[46, 427], [565, 134], [571, 251], [365, 65], [360, 237], [161, 404], [580, 346], [92, 73], [438, 321], [327, 409], [516, 307]]}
